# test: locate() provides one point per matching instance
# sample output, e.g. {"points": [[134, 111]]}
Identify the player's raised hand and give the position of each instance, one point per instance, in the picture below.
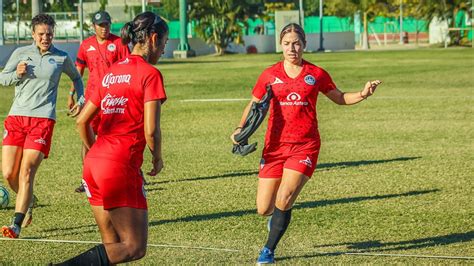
{"points": [[21, 69], [157, 166], [369, 88]]}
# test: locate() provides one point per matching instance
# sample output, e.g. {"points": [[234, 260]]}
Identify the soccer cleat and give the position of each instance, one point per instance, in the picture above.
{"points": [[29, 213], [12, 231], [266, 257], [269, 223], [80, 188]]}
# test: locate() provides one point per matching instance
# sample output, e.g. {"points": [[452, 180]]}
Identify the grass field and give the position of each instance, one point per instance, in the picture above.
{"points": [[395, 173]]}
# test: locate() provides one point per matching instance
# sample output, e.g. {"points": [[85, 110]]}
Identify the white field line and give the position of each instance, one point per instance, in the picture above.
{"points": [[408, 255], [235, 250], [96, 242], [215, 100], [375, 97]]}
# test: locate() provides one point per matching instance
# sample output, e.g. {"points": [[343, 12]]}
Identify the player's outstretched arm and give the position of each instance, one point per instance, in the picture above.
{"points": [[153, 134], [349, 98]]}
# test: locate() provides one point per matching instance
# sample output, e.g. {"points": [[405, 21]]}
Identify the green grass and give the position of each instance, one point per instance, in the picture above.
{"points": [[394, 176]]}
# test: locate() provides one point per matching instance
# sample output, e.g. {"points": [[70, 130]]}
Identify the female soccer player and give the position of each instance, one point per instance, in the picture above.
{"points": [[35, 70], [292, 140], [129, 101], [97, 53]]}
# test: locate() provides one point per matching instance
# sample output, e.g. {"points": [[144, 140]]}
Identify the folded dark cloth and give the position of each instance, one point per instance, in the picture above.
{"points": [[256, 115]]}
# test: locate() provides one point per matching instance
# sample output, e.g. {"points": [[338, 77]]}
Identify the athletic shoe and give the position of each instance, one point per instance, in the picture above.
{"points": [[12, 231], [80, 188], [29, 213], [269, 223], [266, 257]]}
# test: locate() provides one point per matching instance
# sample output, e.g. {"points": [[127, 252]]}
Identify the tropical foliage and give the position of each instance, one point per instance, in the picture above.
{"points": [[219, 22]]}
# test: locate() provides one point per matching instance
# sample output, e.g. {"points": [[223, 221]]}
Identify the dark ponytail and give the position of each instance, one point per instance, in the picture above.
{"points": [[126, 33], [141, 28]]}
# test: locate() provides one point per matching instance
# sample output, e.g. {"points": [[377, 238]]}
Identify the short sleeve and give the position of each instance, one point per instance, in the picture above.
{"points": [[154, 88], [326, 84], [81, 59], [260, 89]]}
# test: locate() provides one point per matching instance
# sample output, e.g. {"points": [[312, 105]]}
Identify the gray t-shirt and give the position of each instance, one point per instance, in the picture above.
{"points": [[36, 92]]}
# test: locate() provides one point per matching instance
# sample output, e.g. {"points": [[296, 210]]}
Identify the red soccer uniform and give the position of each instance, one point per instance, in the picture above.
{"points": [[293, 107], [112, 165], [99, 57], [292, 139]]}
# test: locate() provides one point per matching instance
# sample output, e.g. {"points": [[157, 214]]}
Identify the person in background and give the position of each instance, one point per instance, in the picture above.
{"points": [[97, 53]]}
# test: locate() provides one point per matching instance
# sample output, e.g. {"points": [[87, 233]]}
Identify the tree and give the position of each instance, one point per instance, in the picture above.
{"points": [[219, 22]]}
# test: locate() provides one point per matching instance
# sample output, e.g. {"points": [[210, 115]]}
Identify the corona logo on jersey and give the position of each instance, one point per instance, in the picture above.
{"points": [[293, 99], [110, 79], [113, 104]]}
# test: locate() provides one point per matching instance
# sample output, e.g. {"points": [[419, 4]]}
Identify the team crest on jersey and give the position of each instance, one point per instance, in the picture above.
{"points": [[52, 61], [277, 81], [310, 80], [5, 133], [91, 48], [111, 47]]}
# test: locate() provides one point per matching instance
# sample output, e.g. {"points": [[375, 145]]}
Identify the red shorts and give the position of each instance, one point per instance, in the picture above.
{"points": [[301, 157], [29, 132], [113, 184]]}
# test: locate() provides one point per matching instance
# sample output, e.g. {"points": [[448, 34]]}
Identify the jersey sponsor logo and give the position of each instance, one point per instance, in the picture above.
{"points": [[277, 81], [91, 48], [307, 162], [111, 79], [5, 133], [40, 141], [112, 104], [293, 99], [124, 62], [111, 47], [52, 61], [310, 80]]}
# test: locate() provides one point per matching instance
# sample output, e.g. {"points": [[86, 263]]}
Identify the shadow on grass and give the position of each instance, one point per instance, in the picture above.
{"points": [[324, 166], [242, 173], [378, 246], [302, 205], [320, 167]]}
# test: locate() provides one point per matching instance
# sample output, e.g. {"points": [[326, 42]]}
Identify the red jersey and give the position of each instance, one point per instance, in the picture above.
{"points": [[124, 90], [99, 57], [292, 116]]}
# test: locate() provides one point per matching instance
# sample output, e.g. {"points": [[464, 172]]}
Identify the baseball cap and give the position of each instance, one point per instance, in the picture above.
{"points": [[100, 17]]}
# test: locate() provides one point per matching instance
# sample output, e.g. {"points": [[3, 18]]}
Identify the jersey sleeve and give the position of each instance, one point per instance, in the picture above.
{"points": [[81, 59], [260, 87], [326, 84], [154, 88]]}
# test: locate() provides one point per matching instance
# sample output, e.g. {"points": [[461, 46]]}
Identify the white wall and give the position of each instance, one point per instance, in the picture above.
{"points": [[264, 44]]}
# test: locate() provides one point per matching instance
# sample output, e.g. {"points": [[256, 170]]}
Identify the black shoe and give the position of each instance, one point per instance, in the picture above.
{"points": [[80, 189]]}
